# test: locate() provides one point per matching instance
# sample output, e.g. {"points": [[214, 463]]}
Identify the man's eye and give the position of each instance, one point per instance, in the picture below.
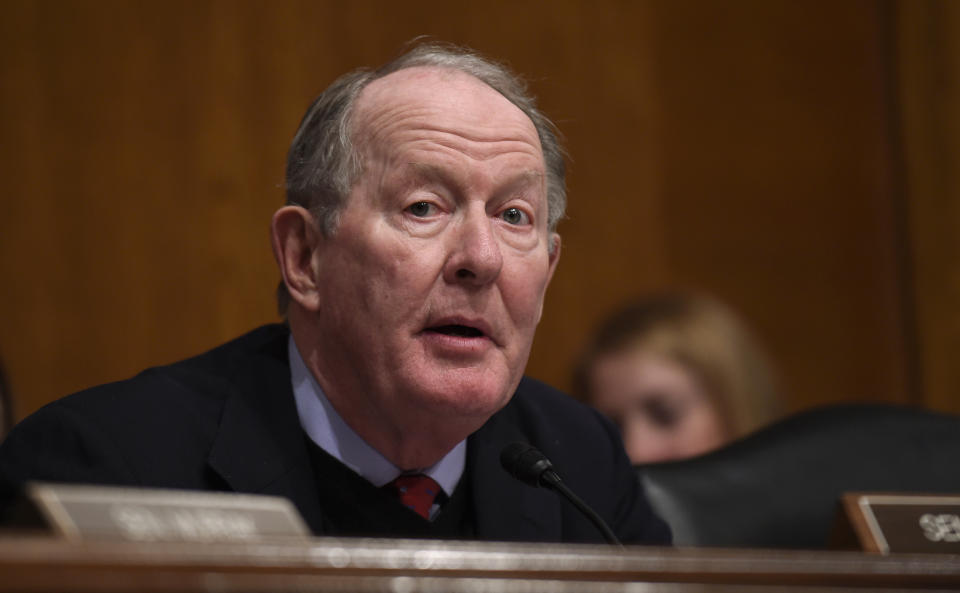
{"points": [[420, 209], [515, 216]]}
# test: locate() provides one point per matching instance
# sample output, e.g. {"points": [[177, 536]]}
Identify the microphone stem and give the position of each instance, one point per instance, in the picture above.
{"points": [[552, 479]]}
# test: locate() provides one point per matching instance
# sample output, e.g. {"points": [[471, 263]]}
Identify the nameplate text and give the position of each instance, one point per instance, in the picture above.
{"points": [[147, 515], [919, 523]]}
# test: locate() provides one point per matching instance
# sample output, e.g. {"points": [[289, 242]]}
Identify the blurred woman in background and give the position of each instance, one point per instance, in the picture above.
{"points": [[679, 374]]}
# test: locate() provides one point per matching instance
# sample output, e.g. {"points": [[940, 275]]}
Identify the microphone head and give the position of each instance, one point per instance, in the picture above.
{"points": [[525, 463]]}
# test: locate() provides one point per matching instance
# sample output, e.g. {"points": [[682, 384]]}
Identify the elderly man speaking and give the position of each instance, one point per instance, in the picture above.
{"points": [[416, 246]]}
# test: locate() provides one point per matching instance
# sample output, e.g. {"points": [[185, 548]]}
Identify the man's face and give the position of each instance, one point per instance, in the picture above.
{"points": [[433, 283]]}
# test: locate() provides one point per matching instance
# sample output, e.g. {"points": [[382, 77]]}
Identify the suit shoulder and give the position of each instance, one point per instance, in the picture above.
{"points": [[155, 427], [172, 386], [184, 398], [536, 399], [225, 360], [207, 374]]}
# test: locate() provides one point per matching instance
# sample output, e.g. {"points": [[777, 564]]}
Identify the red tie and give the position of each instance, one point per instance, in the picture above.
{"points": [[416, 491]]}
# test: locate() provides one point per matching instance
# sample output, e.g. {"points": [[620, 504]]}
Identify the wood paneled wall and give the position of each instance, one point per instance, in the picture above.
{"points": [[750, 149], [928, 64]]}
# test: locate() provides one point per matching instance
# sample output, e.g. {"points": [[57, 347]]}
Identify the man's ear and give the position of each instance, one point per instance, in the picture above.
{"points": [[554, 255], [553, 258], [295, 238]]}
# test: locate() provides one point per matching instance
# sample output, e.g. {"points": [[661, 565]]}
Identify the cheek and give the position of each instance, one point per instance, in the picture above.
{"points": [[523, 286], [703, 429], [355, 294], [386, 274], [403, 276]]}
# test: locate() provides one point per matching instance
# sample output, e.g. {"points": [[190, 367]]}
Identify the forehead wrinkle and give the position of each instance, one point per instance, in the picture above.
{"points": [[417, 172], [477, 143], [380, 114], [475, 147]]}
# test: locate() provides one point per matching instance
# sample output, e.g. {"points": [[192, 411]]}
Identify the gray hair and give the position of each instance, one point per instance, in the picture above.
{"points": [[323, 162]]}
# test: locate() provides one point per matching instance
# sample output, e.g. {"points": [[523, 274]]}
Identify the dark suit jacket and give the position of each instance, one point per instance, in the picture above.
{"points": [[226, 420]]}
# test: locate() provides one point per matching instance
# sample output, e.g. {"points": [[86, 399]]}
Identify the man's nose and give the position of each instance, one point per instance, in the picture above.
{"points": [[474, 252]]}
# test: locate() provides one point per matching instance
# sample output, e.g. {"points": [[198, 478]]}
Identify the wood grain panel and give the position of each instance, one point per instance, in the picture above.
{"points": [[929, 68], [776, 185], [740, 148]]}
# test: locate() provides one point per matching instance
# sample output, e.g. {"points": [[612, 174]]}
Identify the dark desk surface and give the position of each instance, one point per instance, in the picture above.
{"points": [[36, 563]]}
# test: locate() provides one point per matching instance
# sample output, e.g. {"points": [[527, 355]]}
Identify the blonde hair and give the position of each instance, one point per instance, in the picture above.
{"points": [[703, 336]]}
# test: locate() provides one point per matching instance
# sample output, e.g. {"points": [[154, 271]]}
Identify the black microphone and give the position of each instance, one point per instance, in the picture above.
{"points": [[525, 463]]}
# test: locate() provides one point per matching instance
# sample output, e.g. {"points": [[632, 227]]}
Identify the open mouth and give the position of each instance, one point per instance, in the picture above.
{"points": [[461, 331]]}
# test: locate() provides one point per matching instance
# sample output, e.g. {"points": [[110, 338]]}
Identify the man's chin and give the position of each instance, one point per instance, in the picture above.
{"points": [[467, 397]]}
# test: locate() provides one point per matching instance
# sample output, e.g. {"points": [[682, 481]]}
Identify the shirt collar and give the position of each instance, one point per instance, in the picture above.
{"points": [[331, 433]]}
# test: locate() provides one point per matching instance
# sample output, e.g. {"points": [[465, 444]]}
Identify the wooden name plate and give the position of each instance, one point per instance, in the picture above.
{"points": [[99, 512], [885, 523]]}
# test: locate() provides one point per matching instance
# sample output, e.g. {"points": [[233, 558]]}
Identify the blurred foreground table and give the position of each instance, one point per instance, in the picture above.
{"points": [[40, 563]]}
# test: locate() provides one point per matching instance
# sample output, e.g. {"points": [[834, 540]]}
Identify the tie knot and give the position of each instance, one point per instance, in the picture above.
{"points": [[415, 491]]}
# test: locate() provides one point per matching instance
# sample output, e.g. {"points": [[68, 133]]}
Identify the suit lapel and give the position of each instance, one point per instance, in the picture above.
{"points": [[260, 447], [505, 508]]}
